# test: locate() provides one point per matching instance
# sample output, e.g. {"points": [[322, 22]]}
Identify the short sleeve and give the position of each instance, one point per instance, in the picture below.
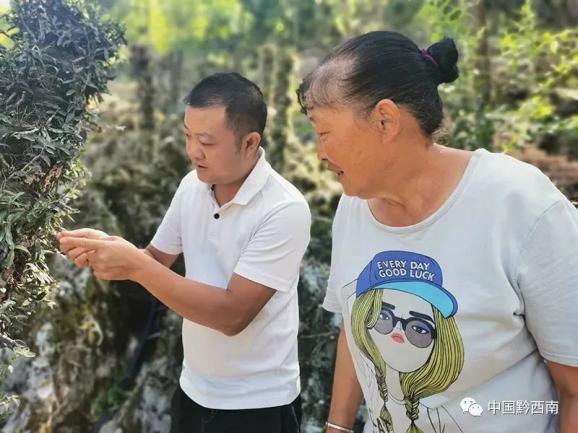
{"points": [[168, 235], [274, 253], [331, 302], [548, 281]]}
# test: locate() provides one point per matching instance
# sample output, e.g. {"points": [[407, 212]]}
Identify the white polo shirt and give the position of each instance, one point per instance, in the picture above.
{"points": [[261, 234]]}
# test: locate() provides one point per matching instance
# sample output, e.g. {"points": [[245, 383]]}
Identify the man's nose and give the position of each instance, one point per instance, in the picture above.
{"points": [[195, 152]]}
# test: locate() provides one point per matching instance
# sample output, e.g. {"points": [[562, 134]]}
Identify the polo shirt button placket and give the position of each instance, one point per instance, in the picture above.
{"points": [[219, 212], [214, 221]]}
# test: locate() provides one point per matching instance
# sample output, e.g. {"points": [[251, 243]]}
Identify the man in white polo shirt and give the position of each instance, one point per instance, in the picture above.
{"points": [[243, 230]]}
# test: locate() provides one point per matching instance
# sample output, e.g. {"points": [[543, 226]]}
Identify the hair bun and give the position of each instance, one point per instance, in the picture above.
{"points": [[445, 55]]}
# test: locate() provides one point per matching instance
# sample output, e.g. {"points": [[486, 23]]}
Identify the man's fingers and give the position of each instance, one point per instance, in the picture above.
{"points": [[82, 261], [91, 259], [99, 261], [67, 243], [103, 272], [83, 233], [74, 253]]}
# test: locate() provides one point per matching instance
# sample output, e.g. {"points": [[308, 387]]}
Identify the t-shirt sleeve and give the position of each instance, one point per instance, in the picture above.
{"points": [[168, 235], [331, 301], [274, 253], [548, 281]]}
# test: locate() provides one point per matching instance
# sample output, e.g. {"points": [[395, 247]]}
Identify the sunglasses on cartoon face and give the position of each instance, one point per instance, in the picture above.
{"points": [[418, 330]]}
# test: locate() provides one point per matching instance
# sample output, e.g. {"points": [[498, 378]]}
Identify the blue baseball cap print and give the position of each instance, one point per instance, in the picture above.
{"points": [[411, 273]]}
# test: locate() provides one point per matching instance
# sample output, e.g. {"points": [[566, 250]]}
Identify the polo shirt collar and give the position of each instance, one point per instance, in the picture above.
{"points": [[254, 182]]}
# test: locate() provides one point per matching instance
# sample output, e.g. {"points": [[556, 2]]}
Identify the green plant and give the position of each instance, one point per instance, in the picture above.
{"points": [[511, 69], [547, 60], [58, 60]]}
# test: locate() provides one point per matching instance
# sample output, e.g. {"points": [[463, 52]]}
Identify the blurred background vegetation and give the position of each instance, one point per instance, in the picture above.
{"points": [[79, 355]]}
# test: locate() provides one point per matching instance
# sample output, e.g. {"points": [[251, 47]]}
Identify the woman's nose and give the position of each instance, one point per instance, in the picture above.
{"points": [[321, 155]]}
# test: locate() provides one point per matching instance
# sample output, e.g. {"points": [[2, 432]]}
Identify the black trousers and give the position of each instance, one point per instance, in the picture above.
{"points": [[190, 417]]}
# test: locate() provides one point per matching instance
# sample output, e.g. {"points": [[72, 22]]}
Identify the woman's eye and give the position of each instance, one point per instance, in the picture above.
{"points": [[420, 330], [384, 316]]}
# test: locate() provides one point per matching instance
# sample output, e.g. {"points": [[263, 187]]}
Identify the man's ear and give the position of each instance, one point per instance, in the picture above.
{"points": [[251, 141]]}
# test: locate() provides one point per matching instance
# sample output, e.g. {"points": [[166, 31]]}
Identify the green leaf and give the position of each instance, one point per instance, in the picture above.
{"points": [[23, 351]]}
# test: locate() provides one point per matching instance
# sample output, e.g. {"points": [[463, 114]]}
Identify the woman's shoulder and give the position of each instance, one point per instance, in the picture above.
{"points": [[514, 183], [509, 167]]}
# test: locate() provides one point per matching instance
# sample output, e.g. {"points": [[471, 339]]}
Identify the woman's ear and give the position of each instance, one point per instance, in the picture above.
{"points": [[388, 118]]}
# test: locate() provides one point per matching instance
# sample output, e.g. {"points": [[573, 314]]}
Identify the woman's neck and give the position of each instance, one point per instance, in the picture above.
{"points": [[425, 181]]}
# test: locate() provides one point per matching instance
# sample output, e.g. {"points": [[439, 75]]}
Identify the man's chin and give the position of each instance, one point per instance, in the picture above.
{"points": [[203, 175]]}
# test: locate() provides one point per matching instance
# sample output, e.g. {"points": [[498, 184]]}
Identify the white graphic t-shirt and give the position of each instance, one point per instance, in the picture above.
{"points": [[449, 320]]}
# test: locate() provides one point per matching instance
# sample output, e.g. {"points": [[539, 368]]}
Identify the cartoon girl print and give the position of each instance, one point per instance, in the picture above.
{"points": [[402, 322]]}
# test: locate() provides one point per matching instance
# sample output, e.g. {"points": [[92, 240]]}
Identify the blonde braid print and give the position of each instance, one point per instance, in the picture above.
{"points": [[441, 370], [364, 315]]}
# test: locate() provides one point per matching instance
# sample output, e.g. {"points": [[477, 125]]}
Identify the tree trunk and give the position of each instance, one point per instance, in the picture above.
{"points": [[483, 82], [142, 72], [175, 77]]}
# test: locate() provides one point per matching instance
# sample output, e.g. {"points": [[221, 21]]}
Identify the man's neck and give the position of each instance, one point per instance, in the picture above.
{"points": [[224, 193]]}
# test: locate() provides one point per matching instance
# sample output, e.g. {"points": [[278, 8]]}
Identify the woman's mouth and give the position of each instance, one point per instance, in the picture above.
{"points": [[335, 170], [397, 337]]}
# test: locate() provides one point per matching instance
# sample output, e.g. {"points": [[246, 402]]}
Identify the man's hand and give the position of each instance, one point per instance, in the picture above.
{"points": [[111, 258], [79, 254]]}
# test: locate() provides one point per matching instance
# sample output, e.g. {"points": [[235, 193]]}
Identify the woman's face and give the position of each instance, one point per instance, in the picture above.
{"points": [[405, 331], [353, 149]]}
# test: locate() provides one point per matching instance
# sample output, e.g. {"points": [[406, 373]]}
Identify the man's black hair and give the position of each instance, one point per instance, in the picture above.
{"points": [[245, 107]]}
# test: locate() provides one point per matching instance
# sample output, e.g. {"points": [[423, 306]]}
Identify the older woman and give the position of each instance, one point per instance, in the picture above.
{"points": [[456, 272]]}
